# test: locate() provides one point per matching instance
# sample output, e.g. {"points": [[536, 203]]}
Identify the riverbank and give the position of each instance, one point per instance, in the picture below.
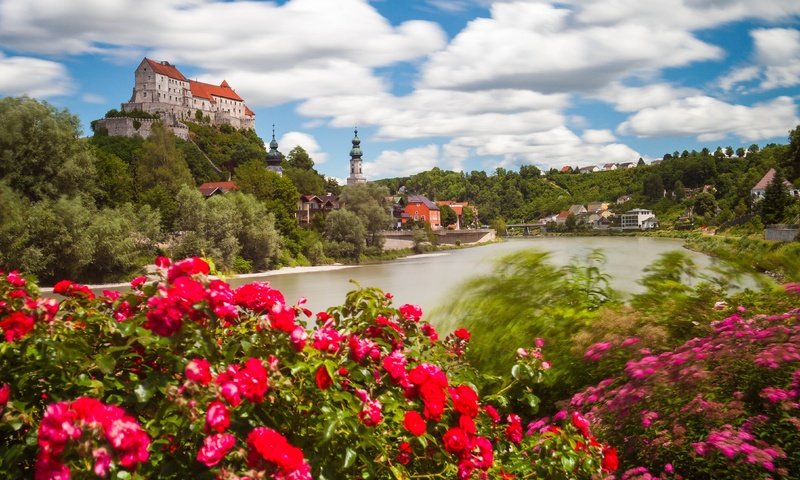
{"points": [[779, 260]]}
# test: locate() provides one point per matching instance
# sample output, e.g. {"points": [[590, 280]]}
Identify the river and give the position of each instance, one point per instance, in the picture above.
{"points": [[430, 279]]}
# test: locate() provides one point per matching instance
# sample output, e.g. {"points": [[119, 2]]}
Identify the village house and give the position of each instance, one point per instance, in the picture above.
{"points": [[638, 219], [609, 167], [418, 207], [627, 165], [760, 188], [589, 169], [577, 210], [161, 89], [310, 205], [596, 207], [210, 189], [458, 208]]}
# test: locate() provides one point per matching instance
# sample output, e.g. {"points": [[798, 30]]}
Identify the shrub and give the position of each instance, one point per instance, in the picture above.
{"points": [[185, 377]]}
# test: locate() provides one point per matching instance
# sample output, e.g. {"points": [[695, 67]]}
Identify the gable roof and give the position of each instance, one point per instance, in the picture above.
{"points": [[249, 112], [166, 69], [210, 188], [767, 179], [423, 200], [206, 90]]}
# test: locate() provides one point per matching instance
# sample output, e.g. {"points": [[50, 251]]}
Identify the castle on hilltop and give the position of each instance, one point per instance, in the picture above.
{"points": [[161, 89]]}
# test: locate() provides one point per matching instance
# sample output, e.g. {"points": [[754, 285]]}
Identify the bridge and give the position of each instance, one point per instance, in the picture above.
{"points": [[527, 228]]}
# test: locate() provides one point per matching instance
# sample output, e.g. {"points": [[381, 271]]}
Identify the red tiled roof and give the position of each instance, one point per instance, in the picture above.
{"points": [[166, 69], [249, 112], [206, 90], [209, 188], [566, 169]]}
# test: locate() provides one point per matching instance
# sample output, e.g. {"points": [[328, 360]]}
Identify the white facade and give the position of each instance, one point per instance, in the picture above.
{"points": [[638, 219]]}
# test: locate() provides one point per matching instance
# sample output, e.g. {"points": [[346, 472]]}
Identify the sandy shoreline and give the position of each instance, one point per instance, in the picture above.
{"points": [[268, 273]]}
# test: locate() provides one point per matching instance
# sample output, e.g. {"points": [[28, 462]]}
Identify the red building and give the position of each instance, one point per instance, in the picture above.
{"points": [[420, 208]]}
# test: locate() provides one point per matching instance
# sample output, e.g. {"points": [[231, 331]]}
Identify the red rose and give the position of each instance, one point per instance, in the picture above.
{"points": [[16, 326], [610, 460], [5, 392], [465, 400], [463, 334], [404, 454], [187, 267], [411, 312], [199, 371], [581, 423], [218, 417], [514, 428], [414, 423], [324, 380], [252, 380], [455, 440], [214, 448]]}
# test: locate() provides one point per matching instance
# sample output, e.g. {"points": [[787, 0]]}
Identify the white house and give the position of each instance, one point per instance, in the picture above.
{"points": [[760, 188], [638, 219]]}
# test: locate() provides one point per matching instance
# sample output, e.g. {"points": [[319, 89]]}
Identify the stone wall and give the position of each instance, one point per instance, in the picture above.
{"points": [[126, 127], [404, 239], [781, 233]]}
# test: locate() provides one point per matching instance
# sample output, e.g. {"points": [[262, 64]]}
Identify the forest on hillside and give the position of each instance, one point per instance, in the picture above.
{"points": [[99, 208]]}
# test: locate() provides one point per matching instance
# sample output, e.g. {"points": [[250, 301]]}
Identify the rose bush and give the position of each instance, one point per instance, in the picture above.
{"points": [[185, 377]]}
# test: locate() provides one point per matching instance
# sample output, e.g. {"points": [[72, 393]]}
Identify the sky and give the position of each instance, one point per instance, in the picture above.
{"points": [[457, 84]]}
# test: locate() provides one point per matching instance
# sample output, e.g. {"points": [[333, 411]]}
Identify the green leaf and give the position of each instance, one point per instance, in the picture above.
{"points": [[515, 371], [143, 392], [349, 458], [568, 463], [105, 362]]}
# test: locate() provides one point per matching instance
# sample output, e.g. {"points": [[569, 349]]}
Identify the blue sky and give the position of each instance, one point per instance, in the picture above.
{"points": [[458, 84]]}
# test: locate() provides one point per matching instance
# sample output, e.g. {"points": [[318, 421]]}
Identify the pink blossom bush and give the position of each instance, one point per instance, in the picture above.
{"points": [[726, 405], [186, 377]]}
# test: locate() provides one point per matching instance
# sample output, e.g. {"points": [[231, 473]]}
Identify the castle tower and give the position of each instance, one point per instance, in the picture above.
{"points": [[355, 162], [274, 157]]}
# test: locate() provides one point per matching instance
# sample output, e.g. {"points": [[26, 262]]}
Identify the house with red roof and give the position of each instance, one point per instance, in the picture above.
{"points": [[418, 207], [209, 189], [160, 88], [458, 208]]}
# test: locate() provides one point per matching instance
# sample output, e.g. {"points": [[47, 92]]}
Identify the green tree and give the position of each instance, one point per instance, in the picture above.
{"points": [[162, 163], [468, 217], [114, 181], [276, 191], [705, 204], [447, 215], [40, 153], [791, 162], [740, 152], [306, 181], [366, 200], [776, 199], [679, 190], [344, 235], [571, 222], [298, 158], [653, 187]]}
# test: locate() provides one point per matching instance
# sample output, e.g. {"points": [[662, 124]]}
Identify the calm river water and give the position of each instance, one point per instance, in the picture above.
{"points": [[429, 280]]}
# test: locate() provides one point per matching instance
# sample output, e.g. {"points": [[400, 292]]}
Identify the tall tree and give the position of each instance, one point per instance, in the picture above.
{"points": [[366, 201], [298, 158], [344, 235], [162, 163], [776, 199], [40, 153]]}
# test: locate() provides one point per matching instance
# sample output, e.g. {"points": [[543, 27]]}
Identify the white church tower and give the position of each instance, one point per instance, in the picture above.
{"points": [[356, 176]]}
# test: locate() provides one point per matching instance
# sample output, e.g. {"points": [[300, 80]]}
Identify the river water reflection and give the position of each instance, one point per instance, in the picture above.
{"points": [[429, 280]]}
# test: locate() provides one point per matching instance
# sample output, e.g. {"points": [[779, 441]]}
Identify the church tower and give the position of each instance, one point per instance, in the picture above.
{"points": [[356, 176], [274, 157]]}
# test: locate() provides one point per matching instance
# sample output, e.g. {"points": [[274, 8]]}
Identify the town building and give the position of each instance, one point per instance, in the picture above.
{"points": [[274, 157], [760, 188], [161, 89], [418, 207], [209, 189], [458, 208], [311, 205], [356, 176], [638, 219]]}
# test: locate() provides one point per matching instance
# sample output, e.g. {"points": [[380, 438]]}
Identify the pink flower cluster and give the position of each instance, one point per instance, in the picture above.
{"points": [[85, 423], [733, 442]]}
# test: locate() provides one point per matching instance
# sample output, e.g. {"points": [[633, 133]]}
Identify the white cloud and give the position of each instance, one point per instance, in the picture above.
{"points": [[545, 48], [778, 49], [93, 98], [289, 140], [738, 76], [324, 47], [710, 119], [632, 99], [598, 136], [33, 77], [393, 163]]}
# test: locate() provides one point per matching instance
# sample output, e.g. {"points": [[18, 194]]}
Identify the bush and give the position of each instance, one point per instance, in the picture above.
{"points": [[184, 377]]}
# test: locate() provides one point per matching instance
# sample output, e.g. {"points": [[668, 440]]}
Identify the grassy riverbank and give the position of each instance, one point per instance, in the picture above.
{"points": [[779, 260]]}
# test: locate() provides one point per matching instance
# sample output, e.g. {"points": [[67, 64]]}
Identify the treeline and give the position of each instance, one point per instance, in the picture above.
{"points": [[97, 209], [713, 187]]}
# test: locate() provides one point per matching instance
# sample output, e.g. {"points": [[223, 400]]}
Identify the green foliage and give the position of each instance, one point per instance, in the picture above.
{"points": [[365, 200], [705, 204], [776, 199], [114, 181], [227, 148], [447, 215], [344, 235], [161, 163], [40, 156]]}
